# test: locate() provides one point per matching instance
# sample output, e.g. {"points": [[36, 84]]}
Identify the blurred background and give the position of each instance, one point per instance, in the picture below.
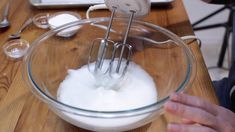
{"points": [[212, 39]]}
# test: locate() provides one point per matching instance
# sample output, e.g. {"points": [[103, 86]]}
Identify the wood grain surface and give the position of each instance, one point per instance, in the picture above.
{"points": [[21, 111]]}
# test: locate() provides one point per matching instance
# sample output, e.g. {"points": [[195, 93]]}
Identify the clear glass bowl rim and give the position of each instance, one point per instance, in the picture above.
{"points": [[36, 90]]}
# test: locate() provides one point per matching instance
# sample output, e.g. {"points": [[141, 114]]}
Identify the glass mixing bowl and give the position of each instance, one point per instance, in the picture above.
{"points": [[163, 55]]}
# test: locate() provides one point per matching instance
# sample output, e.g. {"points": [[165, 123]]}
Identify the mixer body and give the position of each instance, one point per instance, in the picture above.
{"points": [[140, 7]]}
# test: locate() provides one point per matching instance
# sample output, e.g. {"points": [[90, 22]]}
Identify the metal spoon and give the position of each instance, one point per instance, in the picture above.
{"points": [[5, 23], [17, 34]]}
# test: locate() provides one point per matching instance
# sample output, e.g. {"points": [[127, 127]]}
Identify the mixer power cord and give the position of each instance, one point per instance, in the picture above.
{"points": [[103, 6], [95, 7]]}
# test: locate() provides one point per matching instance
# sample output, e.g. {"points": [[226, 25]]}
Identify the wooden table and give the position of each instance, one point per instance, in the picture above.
{"points": [[21, 111]]}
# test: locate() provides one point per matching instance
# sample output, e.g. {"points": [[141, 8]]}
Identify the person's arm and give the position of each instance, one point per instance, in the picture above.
{"points": [[199, 115]]}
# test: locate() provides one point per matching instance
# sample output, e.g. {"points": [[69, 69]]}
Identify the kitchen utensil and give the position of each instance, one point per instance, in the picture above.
{"points": [[17, 35], [4, 22], [41, 20], [16, 48], [115, 46], [138, 8], [170, 65]]}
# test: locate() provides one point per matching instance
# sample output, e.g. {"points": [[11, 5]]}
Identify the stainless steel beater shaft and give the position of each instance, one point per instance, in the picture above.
{"points": [[115, 65], [124, 41], [103, 43]]}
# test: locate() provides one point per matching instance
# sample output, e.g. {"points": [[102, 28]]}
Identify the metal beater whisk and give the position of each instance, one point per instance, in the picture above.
{"points": [[115, 64]]}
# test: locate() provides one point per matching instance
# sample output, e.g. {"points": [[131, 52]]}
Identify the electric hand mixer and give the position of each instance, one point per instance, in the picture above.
{"points": [[133, 8]]}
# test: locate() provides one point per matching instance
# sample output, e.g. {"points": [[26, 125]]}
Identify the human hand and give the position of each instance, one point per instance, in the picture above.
{"points": [[198, 115]]}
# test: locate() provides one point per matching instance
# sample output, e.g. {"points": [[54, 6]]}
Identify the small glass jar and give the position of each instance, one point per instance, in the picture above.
{"points": [[16, 48], [41, 20]]}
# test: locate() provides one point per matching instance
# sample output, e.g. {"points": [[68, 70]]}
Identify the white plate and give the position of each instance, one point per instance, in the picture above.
{"points": [[79, 3]]}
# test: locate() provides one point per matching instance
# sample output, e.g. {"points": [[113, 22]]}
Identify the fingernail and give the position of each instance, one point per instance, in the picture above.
{"points": [[171, 105], [174, 96], [171, 127]]}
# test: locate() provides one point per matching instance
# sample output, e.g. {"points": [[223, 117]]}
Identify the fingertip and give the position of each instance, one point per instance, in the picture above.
{"points": [[165, 105], [182, 92], [170, 106], [187, 121], [172, 127], [174, 96]]}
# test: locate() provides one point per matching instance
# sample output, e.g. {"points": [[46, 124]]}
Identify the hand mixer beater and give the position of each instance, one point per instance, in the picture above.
{"points": [[137, 8]]}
